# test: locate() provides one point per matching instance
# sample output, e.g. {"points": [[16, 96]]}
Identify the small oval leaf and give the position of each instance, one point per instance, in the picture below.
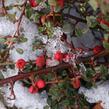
{"points": [[19, 50]]}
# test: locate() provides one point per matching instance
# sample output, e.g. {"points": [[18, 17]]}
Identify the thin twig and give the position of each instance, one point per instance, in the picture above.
{"points": [[18, 26], [3, 6], [19, 22]]}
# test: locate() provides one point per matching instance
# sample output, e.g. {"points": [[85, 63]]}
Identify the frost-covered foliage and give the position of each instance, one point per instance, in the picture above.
{"points": [[2, 106]]}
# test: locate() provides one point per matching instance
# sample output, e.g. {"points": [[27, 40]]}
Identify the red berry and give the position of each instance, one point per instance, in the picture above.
{"points": [[33, 3], [33, 89], [20, 64], [60, 3], [91, 61], [105, 22], [99, 20], [40, 84], [106, 1], [76, 83], [102, 21], [58, 56], [97, 49], [40, 61]]}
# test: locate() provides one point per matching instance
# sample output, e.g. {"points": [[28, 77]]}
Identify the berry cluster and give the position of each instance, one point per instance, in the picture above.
{"points": [[40, 84]]}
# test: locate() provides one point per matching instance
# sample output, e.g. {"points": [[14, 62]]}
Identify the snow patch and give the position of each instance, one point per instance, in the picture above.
{"points": [[98, 93], [2, 105], [7, 28]]}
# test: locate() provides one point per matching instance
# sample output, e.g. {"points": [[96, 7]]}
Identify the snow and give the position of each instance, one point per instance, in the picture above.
{"points": [[2, 105], [7, 28], [98, 93], [24, 99], [54, 44], [13, 2]]}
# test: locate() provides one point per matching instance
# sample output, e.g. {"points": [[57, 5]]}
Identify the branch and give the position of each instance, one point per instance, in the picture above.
{"points": [[3, 6], [22, 76]]}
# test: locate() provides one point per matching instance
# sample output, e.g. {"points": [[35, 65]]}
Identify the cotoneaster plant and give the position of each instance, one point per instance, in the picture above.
{"points": [[69, 67]]}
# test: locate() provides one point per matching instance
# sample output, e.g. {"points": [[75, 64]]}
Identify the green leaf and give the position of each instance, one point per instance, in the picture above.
{"points": [[79, 32], [106, 45], [106, 37], [47, 107], [55, 92], [38, 1], [2, 40], [19, 50], [88, 85], [28, 12], [44, 4], [93, 3], [103, 70], [23, 39], [64, 73], [91, 21], [47, 77], [35, 17], [57, 8], [105, 27], [11, 17], [12, 39], [103, 6], [66, 102], [1, 76], [52, 2], [89, 73], [28, 68], [41, 29]]}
